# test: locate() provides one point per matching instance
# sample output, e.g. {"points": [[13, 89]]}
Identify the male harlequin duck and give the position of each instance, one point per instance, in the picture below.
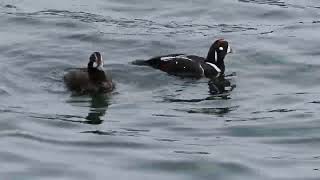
{"points": [[92, 79], [190, 65]]}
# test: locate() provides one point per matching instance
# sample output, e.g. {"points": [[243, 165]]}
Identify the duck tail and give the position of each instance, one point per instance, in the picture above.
{"points": [[141, 62]]}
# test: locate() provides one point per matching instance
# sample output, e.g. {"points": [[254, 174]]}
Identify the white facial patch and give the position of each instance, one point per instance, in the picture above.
{"points": [[95, 64], [100, 67], [215, 56], [229, 49], [101, 64], [221, 48]]}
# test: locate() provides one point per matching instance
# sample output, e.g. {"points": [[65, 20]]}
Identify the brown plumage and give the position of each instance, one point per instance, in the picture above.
{"points": [[92, 79]]}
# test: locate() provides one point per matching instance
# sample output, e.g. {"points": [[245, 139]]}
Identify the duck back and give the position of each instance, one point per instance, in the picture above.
{"points": [[80, 80]]}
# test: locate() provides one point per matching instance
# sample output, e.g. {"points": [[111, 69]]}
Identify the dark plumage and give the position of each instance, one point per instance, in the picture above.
{"points": [[190, 65], [92, 79]]}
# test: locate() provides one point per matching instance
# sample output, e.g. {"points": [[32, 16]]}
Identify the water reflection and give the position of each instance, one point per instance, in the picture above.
{"points": [[220, 86], [217, 111], [213, 111], [98, 107], [96, 104]]}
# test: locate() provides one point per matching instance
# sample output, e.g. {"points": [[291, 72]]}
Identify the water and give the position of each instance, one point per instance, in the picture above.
{"points": [[156, 126]]}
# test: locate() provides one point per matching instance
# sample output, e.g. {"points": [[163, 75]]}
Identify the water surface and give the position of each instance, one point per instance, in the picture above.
{"points": [[156, 126]]}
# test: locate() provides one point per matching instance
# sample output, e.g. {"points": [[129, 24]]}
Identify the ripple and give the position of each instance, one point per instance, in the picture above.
{"points": [[94, 38], [268, 2], [4, 92], [113, 133], [282, 110], [191, 152], [315, 102], [10, 6], [184, 100], [136, 130], [215, 111], [167, 140], [165, 115], [199, 169], [71, 143], [82, 16], [66, 118], [312, 141], [127, 26], [228, 28], [249, 119]]}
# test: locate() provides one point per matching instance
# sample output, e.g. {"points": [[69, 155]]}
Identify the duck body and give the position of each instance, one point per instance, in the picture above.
{"points": [[90, 79], [192, 66], [185, 65], [78, 80]]}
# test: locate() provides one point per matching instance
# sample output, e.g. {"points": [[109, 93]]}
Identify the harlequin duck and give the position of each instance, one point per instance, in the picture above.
{"points": [[190, 65], [92, 79]]}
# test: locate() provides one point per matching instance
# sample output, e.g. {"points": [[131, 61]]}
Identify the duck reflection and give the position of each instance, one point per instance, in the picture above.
{"points": [[221, 85], [219, 88], [98, 107]]}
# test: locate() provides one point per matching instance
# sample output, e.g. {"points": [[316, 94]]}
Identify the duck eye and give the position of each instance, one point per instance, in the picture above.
{"points": [[221, 48]]}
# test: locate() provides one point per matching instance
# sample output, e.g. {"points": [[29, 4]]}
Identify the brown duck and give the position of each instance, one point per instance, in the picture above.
{"points": [[92, 79]]}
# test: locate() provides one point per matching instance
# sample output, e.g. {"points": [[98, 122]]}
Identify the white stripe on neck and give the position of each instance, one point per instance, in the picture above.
{"points": [[229, 49], [215, 67], [202, 74]]}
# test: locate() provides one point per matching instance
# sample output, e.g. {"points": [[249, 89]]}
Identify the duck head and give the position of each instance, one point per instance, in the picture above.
{"points": [[217, 52], [95, 61]]}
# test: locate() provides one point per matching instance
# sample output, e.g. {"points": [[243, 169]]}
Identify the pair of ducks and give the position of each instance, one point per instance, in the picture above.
{"points": [[94, 79]]}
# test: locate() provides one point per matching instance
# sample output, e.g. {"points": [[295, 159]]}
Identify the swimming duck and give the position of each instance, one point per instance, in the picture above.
{"points": [[92, 79], [190, 65]]}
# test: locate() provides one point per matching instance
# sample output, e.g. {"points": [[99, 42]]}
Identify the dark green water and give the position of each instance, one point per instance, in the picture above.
{"points": [[156, 126]]}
